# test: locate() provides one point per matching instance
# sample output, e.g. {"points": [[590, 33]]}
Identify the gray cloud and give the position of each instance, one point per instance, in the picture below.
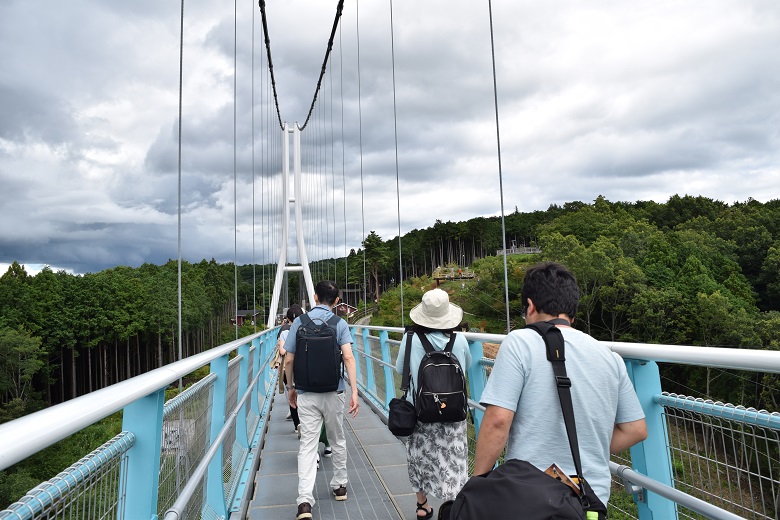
{"points": [[636, 101]]}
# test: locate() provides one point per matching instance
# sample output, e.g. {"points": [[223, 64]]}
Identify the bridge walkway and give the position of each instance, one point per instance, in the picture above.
{"points": [[378, 482]]}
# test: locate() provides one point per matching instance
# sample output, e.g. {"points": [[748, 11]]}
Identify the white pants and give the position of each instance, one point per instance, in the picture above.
{"points": [[313, 409]]}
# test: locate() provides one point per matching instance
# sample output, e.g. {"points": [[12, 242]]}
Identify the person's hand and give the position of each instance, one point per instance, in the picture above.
{"points": [[292, 397], [354, 402]]}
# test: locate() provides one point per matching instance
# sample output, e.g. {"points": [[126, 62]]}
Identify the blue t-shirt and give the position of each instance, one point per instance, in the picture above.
{"points": [[439, 341], [522, 380], [323, 313]]}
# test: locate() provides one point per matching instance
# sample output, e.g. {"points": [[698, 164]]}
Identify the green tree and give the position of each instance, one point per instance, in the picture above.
{"points": [[376, 259], [21, 359]]}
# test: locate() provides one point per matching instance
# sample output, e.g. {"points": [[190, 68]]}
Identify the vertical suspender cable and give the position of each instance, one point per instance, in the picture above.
{"points": [[500, 174], [235, 192], [178, 274], [262, 186], [360, 136], [343, 169], [397, 181], [254, 261], [178, 263], [333, 180]]}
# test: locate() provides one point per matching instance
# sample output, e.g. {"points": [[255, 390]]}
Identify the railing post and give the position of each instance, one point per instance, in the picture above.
{"points": [[242, 436], [215, 490], [477, 379], [144, 418], [389, 378], [353, 331], [651, 457], [258, 344], [370, 381]]}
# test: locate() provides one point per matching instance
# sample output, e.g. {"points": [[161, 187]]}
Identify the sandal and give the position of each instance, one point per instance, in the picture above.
{"points": [[428, 512]]}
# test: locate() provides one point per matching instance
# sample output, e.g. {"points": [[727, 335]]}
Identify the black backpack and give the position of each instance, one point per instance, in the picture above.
{"points": [[441, 394], [317, 366]]}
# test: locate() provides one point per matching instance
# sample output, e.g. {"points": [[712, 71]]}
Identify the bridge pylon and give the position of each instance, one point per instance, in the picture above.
{"points": [[282, 267]]}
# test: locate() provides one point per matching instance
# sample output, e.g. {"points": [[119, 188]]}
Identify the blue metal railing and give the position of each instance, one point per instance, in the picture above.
{"points": [[191, 457], [655, 485], [194, 456]]}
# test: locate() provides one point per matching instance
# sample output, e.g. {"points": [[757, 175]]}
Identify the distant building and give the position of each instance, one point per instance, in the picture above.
{"points": [[343, 309], [246, 316]]}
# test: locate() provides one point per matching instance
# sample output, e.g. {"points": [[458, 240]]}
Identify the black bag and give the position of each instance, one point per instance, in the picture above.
{"points": [[517, 485], [317, 366], [402, 417], [441, 395]]}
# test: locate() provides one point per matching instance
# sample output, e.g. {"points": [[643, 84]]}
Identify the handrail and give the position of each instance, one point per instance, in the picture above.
{"points": [[176, 510], [753, 360], [684, 499], [32, 433]]}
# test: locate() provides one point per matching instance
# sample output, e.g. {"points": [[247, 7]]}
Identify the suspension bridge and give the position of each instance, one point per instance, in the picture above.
{"points": [[223, 449]]}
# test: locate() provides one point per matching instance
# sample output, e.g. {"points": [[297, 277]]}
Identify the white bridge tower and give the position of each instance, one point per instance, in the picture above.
{"points": [[283, 268]]}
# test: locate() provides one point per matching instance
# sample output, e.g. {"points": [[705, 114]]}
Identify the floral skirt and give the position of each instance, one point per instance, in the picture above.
{"points": [[437, 456]]}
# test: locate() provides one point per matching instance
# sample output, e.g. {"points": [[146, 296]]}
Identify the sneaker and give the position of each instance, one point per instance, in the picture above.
{"points": [[340, 493], [327, 452], [304, 511], [298, 432]]}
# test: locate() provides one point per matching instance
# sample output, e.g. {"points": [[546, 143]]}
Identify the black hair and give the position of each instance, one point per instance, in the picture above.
{"points": [[552, 288], [294, 311], [327, 292]]}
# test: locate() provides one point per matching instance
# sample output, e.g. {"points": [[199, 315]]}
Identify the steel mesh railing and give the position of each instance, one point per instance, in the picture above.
{"points": [[186, 431], [91, 488], [725, 461]]}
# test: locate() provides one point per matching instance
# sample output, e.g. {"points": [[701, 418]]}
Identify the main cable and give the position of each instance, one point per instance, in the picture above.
{"points": [[267, 40], [339, 9]]}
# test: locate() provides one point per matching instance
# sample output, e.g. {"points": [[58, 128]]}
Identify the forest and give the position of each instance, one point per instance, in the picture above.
{"points": [[690, 271]]}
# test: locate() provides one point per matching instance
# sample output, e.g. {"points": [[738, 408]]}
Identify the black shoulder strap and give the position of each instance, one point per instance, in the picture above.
{"points": [[426, 343], [556, 354], [305, 320], [406, 374], [334, 321], [450, 343]]}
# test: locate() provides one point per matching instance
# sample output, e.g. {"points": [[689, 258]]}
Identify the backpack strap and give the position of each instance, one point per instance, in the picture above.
{"points": [[406, 370], [334, 321], [556, 355], [305, 320], [426, 343]]}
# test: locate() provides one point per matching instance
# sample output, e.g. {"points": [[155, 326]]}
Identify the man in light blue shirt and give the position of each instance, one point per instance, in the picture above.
{"points": [[523, 411], [316, 408]]}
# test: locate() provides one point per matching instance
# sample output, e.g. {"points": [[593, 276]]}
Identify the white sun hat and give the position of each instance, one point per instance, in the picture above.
{"points": [[436, 312]]}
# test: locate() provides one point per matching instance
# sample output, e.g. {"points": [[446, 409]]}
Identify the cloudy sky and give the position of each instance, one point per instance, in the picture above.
{"points": [[630, 100]]}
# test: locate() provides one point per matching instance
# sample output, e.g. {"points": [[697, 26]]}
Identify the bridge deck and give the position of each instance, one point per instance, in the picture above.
{"points": [[378, 483]]}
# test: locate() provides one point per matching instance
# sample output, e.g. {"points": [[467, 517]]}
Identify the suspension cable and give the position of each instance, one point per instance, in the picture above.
{"points": [[262, 190], [267, 40], [333, 181], [254, 261], [500, 174], [343, 168], [178, 275], [397, 180], [235, 162], [360, 133]]}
